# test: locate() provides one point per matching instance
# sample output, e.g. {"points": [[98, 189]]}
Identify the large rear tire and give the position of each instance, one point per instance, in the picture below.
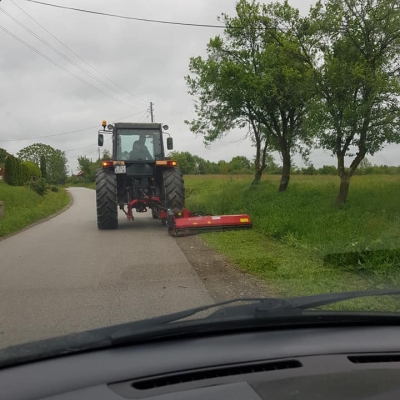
{"points": [[106, 199], [173, 190]]}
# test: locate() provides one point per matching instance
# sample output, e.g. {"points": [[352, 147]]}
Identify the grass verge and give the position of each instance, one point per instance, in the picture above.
{"points": [[301, 243], [23, 206]]}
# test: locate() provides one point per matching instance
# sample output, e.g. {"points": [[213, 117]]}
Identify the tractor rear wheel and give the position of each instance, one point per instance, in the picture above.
{"points": [[106, 199], [173, 189]]}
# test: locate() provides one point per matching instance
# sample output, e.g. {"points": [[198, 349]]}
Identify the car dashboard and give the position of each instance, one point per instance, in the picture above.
{"points": [[307, 363]]}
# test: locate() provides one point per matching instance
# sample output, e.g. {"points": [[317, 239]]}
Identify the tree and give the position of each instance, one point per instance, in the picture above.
{"points": [[43, 166], [250, 80], [353, 47], [3, 155], [13, 175], [88, 168], [186, 162], [106, 155], [55, 160], [239, 165]]}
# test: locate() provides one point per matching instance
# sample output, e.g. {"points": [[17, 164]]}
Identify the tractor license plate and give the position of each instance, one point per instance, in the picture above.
{"points": [[120, 169]]}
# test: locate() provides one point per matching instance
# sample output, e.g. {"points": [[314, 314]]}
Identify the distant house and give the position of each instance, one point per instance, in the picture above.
{"points": [[80, 175]]}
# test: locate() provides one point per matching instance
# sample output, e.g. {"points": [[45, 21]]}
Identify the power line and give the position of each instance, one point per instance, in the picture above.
{"points": [[127, 17], [66, 133], [62, 55], [78, 56], [145, 115], [84, 147], [63, 68]]}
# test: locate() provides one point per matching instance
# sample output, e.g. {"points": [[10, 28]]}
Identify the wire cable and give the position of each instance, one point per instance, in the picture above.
{"points": [[63, 68], [64, 56], [132, 96], [127, 17], [66, 133]]}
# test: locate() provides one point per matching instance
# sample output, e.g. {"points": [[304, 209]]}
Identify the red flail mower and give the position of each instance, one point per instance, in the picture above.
{"points": [[185, 222]]}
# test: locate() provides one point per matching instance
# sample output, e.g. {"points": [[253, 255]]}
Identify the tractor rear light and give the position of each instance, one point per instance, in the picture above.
{"points": [[107, 164], [167, 163]]}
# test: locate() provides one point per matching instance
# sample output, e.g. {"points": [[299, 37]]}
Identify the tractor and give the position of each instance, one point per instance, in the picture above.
{"points": [[140, 177]]}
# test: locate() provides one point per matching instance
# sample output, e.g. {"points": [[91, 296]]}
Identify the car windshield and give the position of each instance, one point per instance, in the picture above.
{"points": [[156, 157]]}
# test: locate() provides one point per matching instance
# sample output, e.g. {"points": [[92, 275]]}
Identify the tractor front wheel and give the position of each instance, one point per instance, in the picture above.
{"points": [[173, 189], [106, 199]]}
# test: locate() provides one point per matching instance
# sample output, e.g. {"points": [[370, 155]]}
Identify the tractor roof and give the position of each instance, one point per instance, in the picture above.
{"points": [[137, 125]]}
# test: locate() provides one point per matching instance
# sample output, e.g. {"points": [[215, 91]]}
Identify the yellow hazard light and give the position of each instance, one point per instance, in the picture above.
{"points": [[104, 124], [244, 220]]}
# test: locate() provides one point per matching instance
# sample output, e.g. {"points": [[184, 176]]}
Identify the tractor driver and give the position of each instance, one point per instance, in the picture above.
{"points": [[139, 149]]}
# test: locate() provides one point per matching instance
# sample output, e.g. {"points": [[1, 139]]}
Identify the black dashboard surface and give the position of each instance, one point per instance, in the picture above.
{"points": [[319, 363]]}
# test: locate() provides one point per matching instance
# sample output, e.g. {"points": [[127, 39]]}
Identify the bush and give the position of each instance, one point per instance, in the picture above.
{"points": [[32, 171], [54, 189], [39, 186]]}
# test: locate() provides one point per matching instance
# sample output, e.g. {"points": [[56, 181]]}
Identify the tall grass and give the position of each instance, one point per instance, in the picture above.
{"points": [[301, 241]]}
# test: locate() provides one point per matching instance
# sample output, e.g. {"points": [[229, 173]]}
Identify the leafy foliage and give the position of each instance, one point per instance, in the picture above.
{"points": [[250, 80], [52, 161], [39, 186], [12, 175], [32, 170], [3, 155], [353, 47]]}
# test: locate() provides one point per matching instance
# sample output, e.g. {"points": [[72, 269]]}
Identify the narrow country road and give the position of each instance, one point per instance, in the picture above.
{"points": [[65, 275]]}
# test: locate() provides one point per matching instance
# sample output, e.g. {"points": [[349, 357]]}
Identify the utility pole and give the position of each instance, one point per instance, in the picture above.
{"points": [[99, 152], [151, 112]]}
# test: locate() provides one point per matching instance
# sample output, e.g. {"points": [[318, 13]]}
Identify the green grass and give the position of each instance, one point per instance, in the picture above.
{"points": [[301, 243], [23, 206]]}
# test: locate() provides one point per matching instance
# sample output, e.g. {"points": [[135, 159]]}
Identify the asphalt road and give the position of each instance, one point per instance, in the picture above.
{"points": [[64, 275]]}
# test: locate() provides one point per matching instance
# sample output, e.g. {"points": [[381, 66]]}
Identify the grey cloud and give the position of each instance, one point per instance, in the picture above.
{"points": [[149, 60]]}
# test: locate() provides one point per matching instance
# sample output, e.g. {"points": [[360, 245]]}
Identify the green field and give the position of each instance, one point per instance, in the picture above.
{"points": [[23, 206], [301, 242]]}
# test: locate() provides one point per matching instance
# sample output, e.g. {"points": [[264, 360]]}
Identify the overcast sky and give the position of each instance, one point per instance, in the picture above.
{"points": [[148, 60]]}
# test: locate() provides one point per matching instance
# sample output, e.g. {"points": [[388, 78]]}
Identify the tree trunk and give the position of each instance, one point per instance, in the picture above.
{"points": [[257, 177], [343, 189], [285, 172]]}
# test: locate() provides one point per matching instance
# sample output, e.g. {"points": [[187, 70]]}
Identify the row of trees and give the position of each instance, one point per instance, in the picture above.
{"points": [[33, 162], [194, 165], [328, 80]]}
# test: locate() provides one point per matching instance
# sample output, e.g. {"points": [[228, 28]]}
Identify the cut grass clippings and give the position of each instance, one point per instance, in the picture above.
{"points": [[23, 206], [301, 242]]}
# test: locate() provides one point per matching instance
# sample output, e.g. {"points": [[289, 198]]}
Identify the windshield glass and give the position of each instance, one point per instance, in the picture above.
{"points": [[227, 150], [138, 144]]}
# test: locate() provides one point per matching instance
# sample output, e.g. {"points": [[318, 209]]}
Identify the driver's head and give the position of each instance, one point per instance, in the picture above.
{"points": [[142, 139]]}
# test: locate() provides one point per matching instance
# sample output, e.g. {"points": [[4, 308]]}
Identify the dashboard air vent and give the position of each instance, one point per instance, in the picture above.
{"points": [[218, 372]]}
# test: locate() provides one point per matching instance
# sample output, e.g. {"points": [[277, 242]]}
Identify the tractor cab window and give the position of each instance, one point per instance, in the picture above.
{"points": [[138, 145]]}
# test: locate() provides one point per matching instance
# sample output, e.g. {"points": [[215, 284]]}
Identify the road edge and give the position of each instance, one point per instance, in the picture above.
{"points": [[40, 221], [223, 279]]}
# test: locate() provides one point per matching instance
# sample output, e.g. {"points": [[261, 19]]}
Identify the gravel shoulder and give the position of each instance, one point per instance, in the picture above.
{"points": [[223, 279]]}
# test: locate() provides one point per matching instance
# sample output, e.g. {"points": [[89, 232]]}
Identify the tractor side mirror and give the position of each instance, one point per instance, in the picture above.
{"points": [[100, 139], [170, 143]]}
